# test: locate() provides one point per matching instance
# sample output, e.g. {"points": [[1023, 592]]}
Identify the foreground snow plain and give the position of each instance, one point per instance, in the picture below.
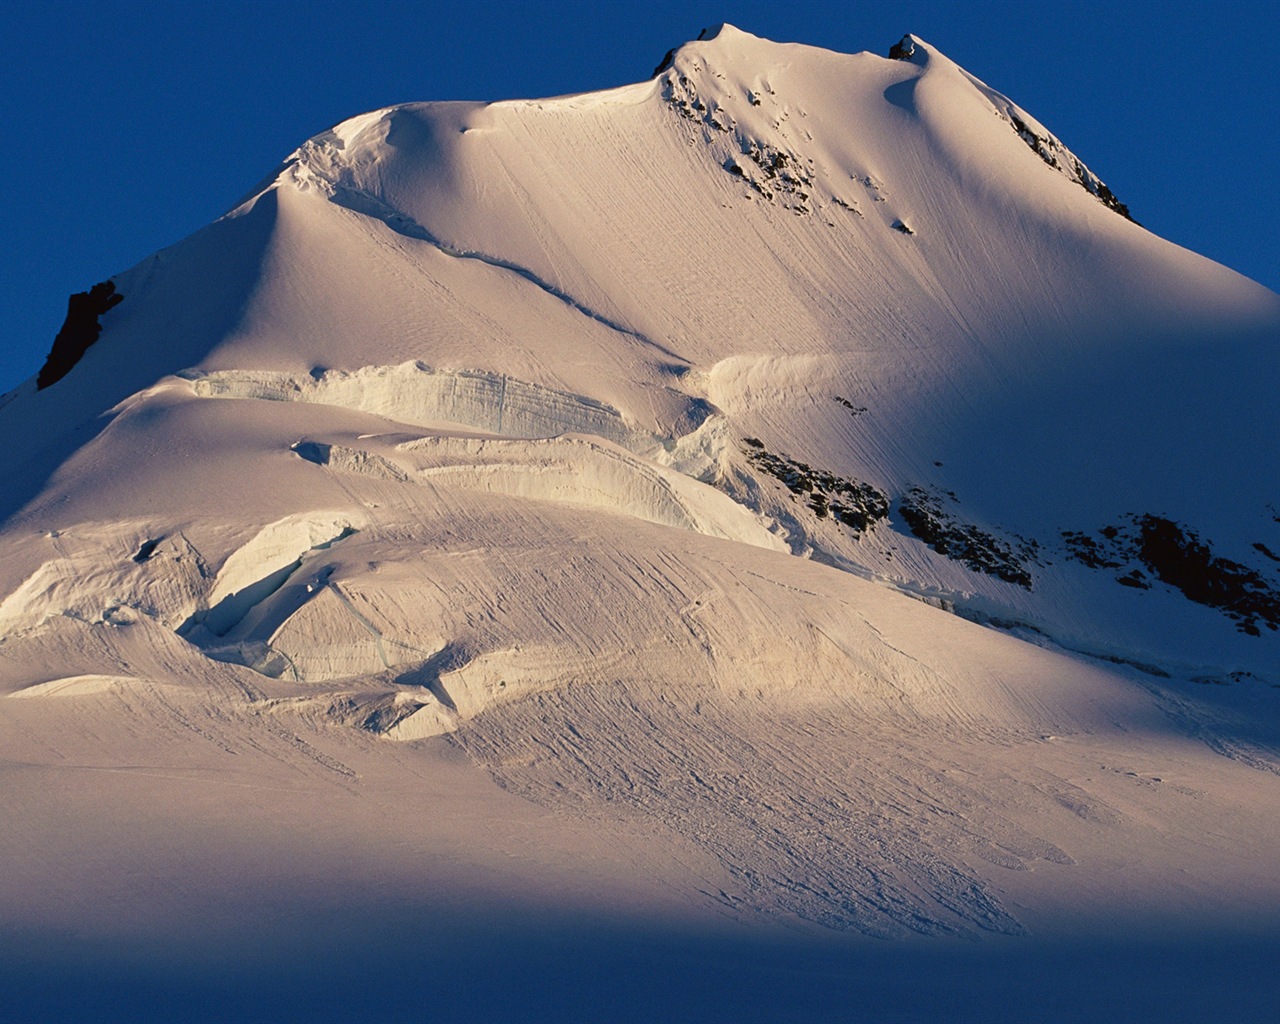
{"points": [[434, 588]]}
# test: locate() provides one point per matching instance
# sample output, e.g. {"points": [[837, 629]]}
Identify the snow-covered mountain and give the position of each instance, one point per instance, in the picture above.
{"points": [[797, 463]]}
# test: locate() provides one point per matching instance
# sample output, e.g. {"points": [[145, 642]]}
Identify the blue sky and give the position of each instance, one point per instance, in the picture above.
{"points": [[131, 124]]}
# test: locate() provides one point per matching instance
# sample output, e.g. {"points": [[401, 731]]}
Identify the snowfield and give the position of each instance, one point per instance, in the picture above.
{"points": [[695, 531]]}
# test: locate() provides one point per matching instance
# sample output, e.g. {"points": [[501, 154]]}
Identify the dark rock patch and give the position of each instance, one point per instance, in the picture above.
{"points": [[854, 410], [903, 49], [1135, 579], [79, 331], [857, 505], [1181, 559], [147, 550], [1259, 546], [682, 97], [1053, 153], [926, 517], [1176, 556], [666, 62], [1087, 551], [781, 173]]}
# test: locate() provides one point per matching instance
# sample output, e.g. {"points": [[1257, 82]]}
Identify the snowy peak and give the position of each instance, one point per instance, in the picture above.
{"points": [[731, 55], [824, 284], [643, 441], [788, 120]]}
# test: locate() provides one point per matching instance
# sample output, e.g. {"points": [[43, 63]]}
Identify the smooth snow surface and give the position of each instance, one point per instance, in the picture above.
{"points": [[777, 504]]}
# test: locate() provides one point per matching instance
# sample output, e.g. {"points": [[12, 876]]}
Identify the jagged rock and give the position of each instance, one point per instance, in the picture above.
{"points": [[857, 505], [965, 543], [80, 330], [1176, 556], [1052, 152], [664, 63], [904, 49]]}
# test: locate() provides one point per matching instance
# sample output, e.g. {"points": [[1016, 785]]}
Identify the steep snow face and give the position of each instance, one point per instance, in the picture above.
{"points": [[603, 416]]}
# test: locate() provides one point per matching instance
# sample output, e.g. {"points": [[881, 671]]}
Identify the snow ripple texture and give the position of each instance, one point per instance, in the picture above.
{"points": [[802, 817]]}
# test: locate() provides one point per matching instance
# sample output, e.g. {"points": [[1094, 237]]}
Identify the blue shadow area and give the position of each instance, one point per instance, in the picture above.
{"points": [[398, 965]]}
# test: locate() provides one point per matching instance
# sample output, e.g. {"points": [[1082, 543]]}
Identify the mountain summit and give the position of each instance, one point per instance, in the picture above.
{"points": [[745, 452], [873, 301]]}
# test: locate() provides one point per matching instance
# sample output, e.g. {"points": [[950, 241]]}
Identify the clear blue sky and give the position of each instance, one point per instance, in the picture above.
{"points": [[131, 124]]}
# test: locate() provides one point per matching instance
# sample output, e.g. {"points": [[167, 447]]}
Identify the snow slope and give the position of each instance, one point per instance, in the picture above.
{"points": [[614, 441]]}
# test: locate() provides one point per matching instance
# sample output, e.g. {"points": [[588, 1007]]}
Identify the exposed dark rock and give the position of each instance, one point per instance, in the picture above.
{"points": [[1086, 550], [898, 225], [875, 187], [1259, 546], [782, 177], [857, 505], [1238, 676], [80, 330], [854, 410], [1042, 145], [1178, 558], [1050, 150], [1134, 579], [903, 49], [147, 550], [965, 543], [665, 63], [681, 96]]}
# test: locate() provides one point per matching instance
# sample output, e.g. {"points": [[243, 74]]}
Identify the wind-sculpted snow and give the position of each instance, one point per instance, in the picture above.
{"points": [[588, 473], [89, 573], [363, 202], [276, 547], [418, 394], [73, 686], [808, 821]]}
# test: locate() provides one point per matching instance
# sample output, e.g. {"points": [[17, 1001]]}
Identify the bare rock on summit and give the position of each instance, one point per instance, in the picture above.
{"points": [[904, 49]]}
